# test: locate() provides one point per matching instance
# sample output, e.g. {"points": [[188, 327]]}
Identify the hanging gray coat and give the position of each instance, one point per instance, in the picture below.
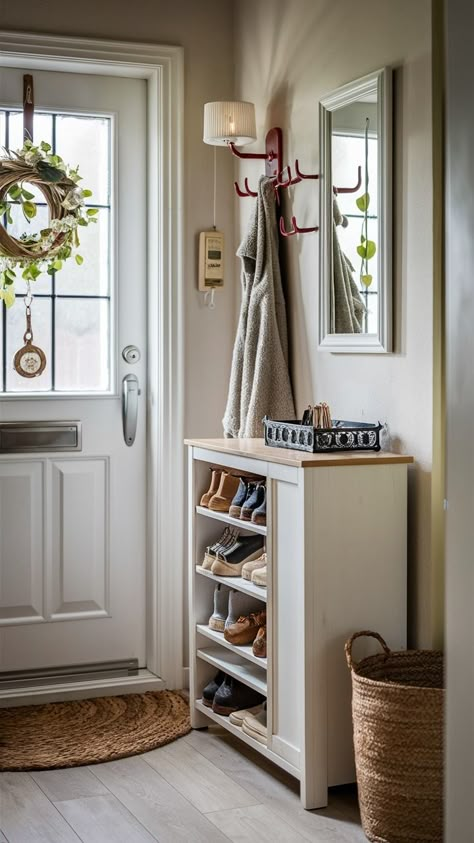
{"points": [[260, 382]]}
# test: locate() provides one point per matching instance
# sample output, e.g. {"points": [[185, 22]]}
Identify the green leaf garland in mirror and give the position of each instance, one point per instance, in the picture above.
{"points": [[367, 248]]}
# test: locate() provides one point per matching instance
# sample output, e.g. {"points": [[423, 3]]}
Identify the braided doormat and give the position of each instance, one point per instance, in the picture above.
{"points": [[71, 734]]}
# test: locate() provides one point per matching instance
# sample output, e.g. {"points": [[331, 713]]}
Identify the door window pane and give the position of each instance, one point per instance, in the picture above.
{"points": [[82, 351], [91, 278], [86, 141], [71, 310]]}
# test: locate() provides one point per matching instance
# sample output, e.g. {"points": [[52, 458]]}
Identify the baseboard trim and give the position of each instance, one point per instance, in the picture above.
{"points": [[35, 695]]}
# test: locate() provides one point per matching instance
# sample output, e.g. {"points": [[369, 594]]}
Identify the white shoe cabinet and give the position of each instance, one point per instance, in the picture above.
{"points": [[336, 540]]}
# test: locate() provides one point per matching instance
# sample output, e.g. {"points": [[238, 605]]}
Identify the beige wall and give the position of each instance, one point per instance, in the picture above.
{"points": [[288, 55], [208, 76]]}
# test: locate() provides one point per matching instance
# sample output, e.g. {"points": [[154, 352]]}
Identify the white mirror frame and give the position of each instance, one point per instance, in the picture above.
{"points": [[380, 83]]}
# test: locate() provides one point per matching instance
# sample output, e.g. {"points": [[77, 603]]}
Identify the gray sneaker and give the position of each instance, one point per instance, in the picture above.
{"points": [[221, 608]]}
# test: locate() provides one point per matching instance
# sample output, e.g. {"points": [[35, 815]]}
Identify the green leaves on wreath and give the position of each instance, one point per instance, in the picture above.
{"points": [[8, 297], [367, 249], [48, 172], [29, 209]]}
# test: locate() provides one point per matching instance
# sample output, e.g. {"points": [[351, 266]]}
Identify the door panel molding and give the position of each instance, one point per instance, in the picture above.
{"points": [[80, 559], [162, 68], [21, 581]]}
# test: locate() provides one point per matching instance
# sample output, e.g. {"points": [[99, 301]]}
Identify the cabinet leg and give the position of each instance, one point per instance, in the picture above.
{"points": [[313, 794], [198, 719]]}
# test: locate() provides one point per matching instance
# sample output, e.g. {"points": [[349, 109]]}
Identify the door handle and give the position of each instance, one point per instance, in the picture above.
{"points": [[130, 393]]}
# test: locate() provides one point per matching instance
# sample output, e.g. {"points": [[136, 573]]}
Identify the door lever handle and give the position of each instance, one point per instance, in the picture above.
{"points": [[130, 393]]}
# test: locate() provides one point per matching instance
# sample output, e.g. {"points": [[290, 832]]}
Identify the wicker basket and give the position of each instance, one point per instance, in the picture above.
{"points": [[397, 713]]}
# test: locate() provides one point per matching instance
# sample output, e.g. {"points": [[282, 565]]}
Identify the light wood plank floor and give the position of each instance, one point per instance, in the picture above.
{"points": [[205, 788]]}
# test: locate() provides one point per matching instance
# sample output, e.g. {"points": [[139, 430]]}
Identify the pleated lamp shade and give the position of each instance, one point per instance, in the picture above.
{"points": [[229, 121]]}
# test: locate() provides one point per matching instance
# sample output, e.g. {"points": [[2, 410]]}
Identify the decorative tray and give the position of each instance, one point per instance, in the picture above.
{"points": [[342, 436]]}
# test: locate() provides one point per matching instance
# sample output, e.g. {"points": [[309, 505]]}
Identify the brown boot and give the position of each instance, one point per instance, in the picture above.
{"points": [[215, 480], [259, 646], [222, 499], [246, 628]]}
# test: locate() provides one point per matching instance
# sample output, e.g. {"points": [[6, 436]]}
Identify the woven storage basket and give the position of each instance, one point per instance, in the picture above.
{"points": [[397, 713]]}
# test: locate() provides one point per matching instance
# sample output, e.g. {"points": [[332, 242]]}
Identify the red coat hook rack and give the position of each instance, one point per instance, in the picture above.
{"points": [[273, 157]]}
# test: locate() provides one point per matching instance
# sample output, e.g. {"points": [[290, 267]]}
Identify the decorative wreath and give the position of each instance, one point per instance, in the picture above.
{"points": [[46, 250]]}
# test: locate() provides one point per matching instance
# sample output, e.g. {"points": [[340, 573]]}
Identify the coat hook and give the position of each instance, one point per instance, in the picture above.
{"points": [[351, 189], [296, 229], [247, 188], [289, 181], [304, 175]]}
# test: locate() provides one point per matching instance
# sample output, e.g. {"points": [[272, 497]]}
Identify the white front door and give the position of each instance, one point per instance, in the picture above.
{"points": [[73, 523]]}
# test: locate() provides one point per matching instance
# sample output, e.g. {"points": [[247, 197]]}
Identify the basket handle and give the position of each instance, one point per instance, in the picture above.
{"points": [[366, 633]]}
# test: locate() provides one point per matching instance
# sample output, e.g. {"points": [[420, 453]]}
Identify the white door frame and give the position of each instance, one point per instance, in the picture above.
{"points": [[162, 68]]}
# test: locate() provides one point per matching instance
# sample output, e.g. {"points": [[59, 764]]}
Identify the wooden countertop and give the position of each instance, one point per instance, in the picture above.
{"points": [[256, 449]]}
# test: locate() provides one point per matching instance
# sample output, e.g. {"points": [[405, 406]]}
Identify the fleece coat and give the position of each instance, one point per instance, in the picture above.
{"points": [[260, 381]]}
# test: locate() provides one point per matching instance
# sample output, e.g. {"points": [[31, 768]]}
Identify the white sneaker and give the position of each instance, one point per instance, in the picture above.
{"points": [[237, 717], [256, 726]]}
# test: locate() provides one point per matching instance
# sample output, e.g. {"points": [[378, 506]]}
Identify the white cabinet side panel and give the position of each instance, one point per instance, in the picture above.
{"points": [[80, 517], [361, 538], [21, 541], [287, 586]]}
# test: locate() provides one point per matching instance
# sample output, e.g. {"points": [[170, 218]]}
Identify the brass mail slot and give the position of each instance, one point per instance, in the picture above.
{"points": [[28, 437]]}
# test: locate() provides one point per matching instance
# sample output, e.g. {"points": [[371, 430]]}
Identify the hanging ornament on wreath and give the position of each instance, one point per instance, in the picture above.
{"points": [[46, 250]]}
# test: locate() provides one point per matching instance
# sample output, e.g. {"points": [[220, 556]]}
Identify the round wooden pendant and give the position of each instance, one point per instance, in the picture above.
{"points": [[30, 361]]}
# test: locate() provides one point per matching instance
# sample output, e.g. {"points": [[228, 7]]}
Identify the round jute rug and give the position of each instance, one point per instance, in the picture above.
{"points": [[70, 734]]}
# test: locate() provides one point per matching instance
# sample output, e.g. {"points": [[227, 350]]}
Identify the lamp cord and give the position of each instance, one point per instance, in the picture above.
{"points": [[215, 189]]}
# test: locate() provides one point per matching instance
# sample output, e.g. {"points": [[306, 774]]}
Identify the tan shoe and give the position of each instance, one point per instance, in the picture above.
{"points": [[237, 717], [250, 567], [259, 577], [245, 630], [215, 481], [259, 646], [255, 725], [222, 499]]}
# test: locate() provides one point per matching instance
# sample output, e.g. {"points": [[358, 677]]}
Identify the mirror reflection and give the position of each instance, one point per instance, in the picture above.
{"points": [[356, 216], [355, 220]]}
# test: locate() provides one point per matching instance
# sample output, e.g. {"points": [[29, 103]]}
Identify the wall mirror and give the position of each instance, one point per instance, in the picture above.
{"points": [[356, 217]]}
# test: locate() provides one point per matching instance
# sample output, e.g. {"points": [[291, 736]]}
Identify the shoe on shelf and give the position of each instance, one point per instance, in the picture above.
{"points": [[240, 497], [250, 567], [233, 695], [229, 563], [255, 725], [218, 618], [237, 717], [209, 691], [259, 646], [226, 540], [239, 605], [259, 515], [222, 499], [245, 629], [259, 577], [215, 480], [254, 500]]}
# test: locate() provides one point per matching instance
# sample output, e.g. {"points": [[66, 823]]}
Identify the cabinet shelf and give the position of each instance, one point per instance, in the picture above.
{"points": [[236, 522], [237, 731], [234, 665], [243, 652], [238, 583]]}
